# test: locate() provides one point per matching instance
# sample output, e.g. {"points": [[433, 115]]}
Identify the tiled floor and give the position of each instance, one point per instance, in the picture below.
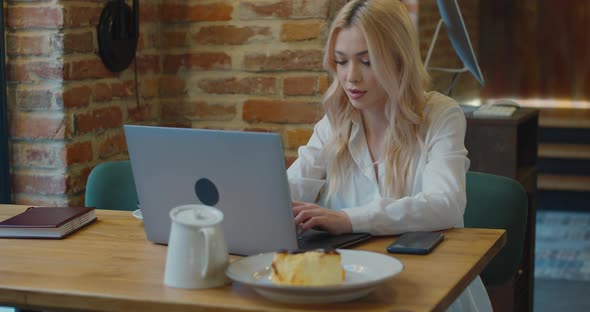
{"points": [[562, 262], [561, 295], [562, 247]]}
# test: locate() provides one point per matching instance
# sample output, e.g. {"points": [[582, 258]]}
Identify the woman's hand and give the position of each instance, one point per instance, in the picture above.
{"points": [[309, 215]]}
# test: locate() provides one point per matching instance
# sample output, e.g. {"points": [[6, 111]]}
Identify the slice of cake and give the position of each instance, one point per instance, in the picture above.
{"points": [[307, 268]]}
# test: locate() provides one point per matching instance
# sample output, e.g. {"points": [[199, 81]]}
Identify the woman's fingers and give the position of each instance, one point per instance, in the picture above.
{"points": [[315, 222], [321, 218], [310, 215], [304, 214], [300, 206], [297, 203]]}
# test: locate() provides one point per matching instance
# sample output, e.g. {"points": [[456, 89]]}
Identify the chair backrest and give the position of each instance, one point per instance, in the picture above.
{"points": [[498, 202], [111, 186]]}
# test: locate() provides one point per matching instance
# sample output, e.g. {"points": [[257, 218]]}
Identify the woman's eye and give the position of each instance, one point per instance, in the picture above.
{"points": [[341, 62], [366, 63]]}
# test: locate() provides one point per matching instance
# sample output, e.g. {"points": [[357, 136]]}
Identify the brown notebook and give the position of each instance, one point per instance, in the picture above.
{"points": [[47, 222]]}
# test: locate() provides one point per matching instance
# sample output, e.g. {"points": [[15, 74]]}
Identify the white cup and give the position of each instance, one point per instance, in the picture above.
{"points": [[197, 252]]}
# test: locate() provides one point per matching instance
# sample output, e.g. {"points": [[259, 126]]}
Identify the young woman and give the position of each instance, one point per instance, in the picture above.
{"points": [[387, 157]]}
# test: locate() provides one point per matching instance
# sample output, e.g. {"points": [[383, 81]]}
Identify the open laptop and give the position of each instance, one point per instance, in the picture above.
{"points": [[241, 173]]}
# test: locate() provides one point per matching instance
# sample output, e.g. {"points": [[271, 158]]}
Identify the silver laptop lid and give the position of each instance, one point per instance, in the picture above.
{"points": [[241, 173]]}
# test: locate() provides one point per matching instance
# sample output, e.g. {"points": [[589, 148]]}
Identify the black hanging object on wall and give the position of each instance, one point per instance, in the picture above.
{"points": [[117, 32]]}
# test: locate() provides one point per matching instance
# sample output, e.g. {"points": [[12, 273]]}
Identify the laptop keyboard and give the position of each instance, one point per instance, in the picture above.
{"points": [[309, 243], [317, 239]]}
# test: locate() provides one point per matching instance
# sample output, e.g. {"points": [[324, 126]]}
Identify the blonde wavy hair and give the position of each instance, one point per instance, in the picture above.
{"points": [[395, 59]]}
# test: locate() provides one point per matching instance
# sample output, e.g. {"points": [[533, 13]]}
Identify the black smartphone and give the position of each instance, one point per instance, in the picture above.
{"points": [[416, 243]]}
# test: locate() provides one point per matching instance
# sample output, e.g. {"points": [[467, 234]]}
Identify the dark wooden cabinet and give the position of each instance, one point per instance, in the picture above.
{"points": [[508, 146]]}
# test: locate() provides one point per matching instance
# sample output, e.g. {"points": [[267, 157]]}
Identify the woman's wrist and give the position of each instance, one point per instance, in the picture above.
{"points": [[346, 222]]}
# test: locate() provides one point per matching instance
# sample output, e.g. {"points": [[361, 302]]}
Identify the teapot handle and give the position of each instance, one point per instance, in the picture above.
{"points": [[207, 235]]}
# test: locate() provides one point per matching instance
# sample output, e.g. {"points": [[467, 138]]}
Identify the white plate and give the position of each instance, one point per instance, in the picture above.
{"points": [[137, 214], [365, 270]]}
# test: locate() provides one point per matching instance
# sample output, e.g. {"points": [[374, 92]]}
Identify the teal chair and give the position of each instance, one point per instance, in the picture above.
{"points": [[111, 186], [501, 203]]}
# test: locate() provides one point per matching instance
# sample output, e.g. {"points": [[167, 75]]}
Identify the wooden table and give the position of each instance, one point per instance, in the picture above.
{"points": [[110, 266]]}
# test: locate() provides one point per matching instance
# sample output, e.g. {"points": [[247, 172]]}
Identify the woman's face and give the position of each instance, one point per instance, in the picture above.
{"points": [[354, 71]]}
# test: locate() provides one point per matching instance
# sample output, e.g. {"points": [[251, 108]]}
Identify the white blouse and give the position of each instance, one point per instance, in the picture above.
{"points": [[435, 196]]}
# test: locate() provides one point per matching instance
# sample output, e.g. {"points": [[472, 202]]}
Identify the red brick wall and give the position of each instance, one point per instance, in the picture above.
{"points": [[249, 65], [66, 109], [255, 67], [38, 125]]}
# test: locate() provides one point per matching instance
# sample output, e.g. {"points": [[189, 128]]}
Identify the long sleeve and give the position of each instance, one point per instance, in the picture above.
{"points": [[440, 200], [307, 175]]}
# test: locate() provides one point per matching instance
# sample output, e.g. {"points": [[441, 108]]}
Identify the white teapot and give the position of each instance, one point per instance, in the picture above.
{"points": [[197, 252]]}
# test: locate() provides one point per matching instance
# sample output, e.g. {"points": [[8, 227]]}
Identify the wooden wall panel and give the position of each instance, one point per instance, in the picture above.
{"points": [[535, 49]]}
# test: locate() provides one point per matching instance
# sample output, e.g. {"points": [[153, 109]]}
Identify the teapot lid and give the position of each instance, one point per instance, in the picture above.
{"points": [[196, 215]]}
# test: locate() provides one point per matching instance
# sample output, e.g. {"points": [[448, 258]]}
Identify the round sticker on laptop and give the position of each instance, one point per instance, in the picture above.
{"points": [[206, 192]]}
